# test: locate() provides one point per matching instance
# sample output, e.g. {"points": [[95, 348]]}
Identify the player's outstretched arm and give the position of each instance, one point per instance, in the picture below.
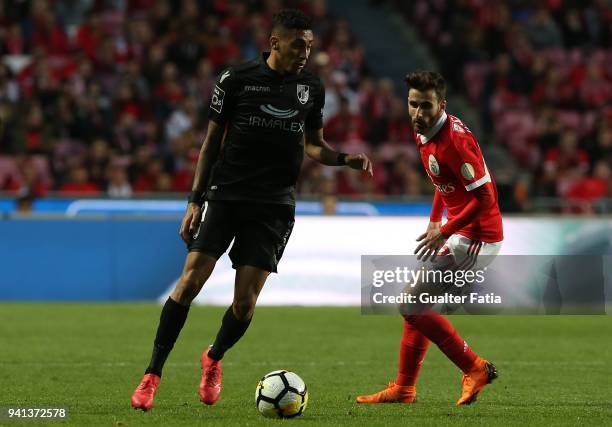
{"points": [[208, 156], [319, 150]]}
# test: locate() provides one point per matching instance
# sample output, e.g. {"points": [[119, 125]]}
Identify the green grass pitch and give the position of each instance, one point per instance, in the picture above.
{"points": [[89, 358]]}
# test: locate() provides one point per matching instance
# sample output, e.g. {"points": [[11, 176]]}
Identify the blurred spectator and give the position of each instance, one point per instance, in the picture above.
{"points": [[27, 177], [565, 164], [23, 204], [49, 35], [148, 179], [575, 33], [163, 183], [79, 183], [13, 42], [601, 146], [345, 126], [182, 119], [28, 131], [201, 85], [396, 180], [336, 89], [89, 34], [383, 98], [330, 204], [543, 31], [118, 183], [589, 189], [394, 124], [97, 162], [73, 12], [595, 91], [183, 168], [186, 49], [9, 89]]}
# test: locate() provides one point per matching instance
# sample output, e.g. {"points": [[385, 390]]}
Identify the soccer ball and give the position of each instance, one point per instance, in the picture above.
{"points": [[281, 394]]}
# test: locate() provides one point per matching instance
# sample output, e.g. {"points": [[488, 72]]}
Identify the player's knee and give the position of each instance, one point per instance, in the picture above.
{"points": [[244, 308], [406, 310], [410, 309], [415, 312]]}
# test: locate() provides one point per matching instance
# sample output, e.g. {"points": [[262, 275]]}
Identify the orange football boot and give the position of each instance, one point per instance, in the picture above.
{"points": [[145, 392], [210, 384], [483, 373], [393, 393]]}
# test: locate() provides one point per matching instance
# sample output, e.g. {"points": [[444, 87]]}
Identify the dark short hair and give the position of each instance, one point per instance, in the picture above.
{"points": [[291, 19], [426, 80]]}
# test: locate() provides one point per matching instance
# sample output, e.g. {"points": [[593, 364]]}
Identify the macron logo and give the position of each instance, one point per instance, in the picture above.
{"points": [[224, 76]]}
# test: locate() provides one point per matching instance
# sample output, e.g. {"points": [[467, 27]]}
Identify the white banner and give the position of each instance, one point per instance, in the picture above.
{"points": [[322, 262]]}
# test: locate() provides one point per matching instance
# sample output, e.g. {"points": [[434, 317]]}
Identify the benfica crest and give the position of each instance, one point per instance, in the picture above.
{"points": [[433, 165], [303, 91]]}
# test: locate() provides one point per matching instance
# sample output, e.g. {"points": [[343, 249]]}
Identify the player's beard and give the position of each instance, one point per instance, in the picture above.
{"points": [[419, 127], [426, 125]]}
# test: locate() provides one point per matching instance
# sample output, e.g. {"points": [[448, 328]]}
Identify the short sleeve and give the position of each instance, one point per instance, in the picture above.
{"points": [[221, 100], [314, 120], [467, 162]]}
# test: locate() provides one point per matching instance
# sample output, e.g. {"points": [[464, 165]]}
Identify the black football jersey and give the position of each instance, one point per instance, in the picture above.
{"points": [[266, 114]]}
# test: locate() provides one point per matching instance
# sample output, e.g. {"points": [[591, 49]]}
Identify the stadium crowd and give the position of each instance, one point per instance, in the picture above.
{"points": [[110, 97], [540, 73]]}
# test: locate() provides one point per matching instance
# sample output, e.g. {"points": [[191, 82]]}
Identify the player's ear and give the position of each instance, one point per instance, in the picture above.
{"points": [[274, 42], [443, 105]]}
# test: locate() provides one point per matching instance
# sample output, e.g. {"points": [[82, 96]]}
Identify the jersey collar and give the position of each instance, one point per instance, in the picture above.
{"points": [[264, 64], [266, 68], [425, 138]]}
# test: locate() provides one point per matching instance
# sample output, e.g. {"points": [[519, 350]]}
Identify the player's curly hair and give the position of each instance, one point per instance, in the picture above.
{"points": [[426, 80], [291, 19]]}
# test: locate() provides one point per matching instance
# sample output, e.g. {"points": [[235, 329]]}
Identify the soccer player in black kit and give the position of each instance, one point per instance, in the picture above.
{"points": [[270, 111]]}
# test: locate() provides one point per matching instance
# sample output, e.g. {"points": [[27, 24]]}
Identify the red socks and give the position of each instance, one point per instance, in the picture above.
{"points": [[412, 353], [439, 330]]}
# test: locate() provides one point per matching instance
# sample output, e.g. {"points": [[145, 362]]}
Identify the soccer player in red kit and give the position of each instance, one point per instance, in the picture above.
{"points": [[465, 188]]}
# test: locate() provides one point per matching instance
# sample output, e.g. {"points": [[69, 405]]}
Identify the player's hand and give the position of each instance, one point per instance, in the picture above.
{"points": [[360, 162], [431, 242], [191, 222]]}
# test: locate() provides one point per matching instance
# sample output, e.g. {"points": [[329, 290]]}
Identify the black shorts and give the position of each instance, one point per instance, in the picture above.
{"points": [[260, 232]]}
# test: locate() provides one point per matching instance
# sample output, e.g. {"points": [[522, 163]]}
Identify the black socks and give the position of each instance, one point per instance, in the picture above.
{"points": [[171, 322], [231, 331]]}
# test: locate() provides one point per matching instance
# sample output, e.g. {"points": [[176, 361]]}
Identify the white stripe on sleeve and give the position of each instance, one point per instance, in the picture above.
{"points": [[481, 181]]}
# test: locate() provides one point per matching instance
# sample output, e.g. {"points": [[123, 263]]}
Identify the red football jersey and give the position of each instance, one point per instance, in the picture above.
{"points": [[453, 160]]}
